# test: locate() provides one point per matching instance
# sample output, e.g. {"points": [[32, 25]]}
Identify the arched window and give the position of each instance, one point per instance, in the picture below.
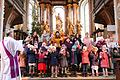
{"points": [[84, 13]]}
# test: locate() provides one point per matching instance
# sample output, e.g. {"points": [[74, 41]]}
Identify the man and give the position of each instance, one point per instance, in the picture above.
{"points": [[9, 63]]}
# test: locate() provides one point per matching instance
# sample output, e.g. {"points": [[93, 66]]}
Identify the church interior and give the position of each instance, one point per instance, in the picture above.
{"points": [[98, 18]]}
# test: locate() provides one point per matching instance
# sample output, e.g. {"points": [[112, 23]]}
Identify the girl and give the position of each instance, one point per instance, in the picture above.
{"points": [[22, 63], [74, 60], [85, 60], [42, 63], [64, 63], [94, 60], [104, 60]]}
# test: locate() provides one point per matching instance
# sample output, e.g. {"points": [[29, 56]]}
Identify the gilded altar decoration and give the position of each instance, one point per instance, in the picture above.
{"points": [[78, 27], [59, 23], [47, 27], [70, 27], [42, 26]]}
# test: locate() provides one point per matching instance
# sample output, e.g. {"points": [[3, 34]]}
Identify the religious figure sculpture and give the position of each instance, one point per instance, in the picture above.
{"points": [[47, 27], [58, 23], [42, 26], [78, 27], [70, 27]]}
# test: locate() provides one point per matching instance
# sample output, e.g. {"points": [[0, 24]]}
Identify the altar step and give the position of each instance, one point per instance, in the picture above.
{"points": [[72, 78]]}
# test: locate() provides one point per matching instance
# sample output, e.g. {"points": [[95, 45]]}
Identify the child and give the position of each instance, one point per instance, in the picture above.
{"points": [[85, 60], [42, 63], [54, 62], [104, 60], [74, 60], [22, 63], [94, 60], [31, 60], [64, 63]]}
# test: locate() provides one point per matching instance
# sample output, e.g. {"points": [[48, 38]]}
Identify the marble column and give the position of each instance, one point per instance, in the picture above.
{"points": [[117, 18], [69, 17], [66, 15], [69, 11], [1, 18], [91, 17], [75, 16], [42, 11], [51, 18], [48, 13], [74, 13]]}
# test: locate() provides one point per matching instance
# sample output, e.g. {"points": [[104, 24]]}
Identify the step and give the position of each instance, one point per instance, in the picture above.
{"points": [[72, 78]]}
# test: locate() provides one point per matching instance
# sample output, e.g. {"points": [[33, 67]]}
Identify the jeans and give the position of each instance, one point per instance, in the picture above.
{"points": [[85, 68]]}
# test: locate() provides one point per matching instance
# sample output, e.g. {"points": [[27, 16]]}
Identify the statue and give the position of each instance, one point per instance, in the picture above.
{"points": [[58, 23], [78, 27], [47, 27], [42, 26], [70, 27]]}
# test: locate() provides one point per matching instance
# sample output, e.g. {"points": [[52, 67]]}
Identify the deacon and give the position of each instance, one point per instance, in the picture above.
{"points": [[9, 63]]}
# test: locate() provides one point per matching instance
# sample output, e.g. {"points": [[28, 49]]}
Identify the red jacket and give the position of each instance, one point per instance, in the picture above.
{"points": [[85, 57], [105, 60]]}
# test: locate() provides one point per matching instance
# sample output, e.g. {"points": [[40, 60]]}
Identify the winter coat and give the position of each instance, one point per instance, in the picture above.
{"points": [[22, 60], [54, 58], [85, 57], [104, 60], [31, 56], [94, 59], [41, 58]]}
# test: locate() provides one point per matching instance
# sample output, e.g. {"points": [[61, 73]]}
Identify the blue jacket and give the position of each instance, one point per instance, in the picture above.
{"points": [[54, 58], [31, 56]]}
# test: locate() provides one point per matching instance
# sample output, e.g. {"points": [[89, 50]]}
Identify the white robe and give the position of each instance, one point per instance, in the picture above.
{"points": [[12, 46]]}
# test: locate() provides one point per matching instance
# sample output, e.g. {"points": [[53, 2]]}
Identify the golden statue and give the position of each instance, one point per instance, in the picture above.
{"points": [[78, 26], [42, 26], [58, 23], [47, 27], [70, 27]]}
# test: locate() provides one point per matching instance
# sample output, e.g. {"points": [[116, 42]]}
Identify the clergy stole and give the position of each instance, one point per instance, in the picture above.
{"points": [[13, 59]]}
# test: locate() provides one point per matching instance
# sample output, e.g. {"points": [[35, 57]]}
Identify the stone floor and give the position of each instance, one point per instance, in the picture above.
{"points": [[72, 78]]}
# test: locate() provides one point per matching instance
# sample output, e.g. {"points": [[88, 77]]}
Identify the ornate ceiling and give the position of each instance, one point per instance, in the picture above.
{"points": [[59, 2]]}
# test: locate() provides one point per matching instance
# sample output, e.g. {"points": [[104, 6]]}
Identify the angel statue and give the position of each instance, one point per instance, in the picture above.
{"points": [[47, 27], [78, 27]]}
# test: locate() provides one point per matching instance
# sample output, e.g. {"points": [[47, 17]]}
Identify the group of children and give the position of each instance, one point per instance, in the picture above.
{"points": [[54, 60]]}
